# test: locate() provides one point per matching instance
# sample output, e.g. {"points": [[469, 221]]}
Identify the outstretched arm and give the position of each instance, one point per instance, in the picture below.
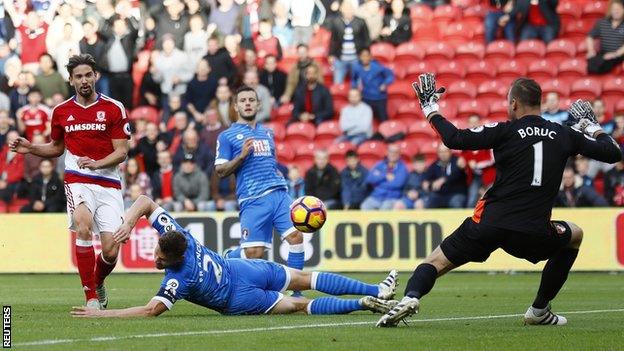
{"points": [[143, 206], [153, 309], [55, 148]]}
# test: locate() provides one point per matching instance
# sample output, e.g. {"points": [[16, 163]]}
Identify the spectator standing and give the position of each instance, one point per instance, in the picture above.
{"points": [[202, 156], [167, 69], [372, 78], [171, 20], [162, 181], [446, 181], [18, 96], [574, 194], [536, 19], [11, 169], [349, 35], [266, 43], [312, 101], [356, 119], [223, 17], [59, 28], [371, 13], [323, 180], [305, 17], [46, 192], [196, 40], [134, 176], [65, 47], [610, 32], [191, 187], [281, 27], [296, 75], [353, 182], [93, 45], [414, 196], [295, 182], [32, 30], [497, 9], [223, 193], [397, 24], [201, 90], [148, 147], [552, 112], [33, 118], [387, 179], [273, 78], [220, 61], [49, 81]]}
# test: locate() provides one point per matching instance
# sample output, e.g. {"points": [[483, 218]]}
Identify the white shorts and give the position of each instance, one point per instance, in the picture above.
{"points": [[106, 205]]}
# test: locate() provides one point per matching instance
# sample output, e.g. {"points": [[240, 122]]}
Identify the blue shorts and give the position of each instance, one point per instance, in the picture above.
{"points": [[257, 286], [259, 216]]}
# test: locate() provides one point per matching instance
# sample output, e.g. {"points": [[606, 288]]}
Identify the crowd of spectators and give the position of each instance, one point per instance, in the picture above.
{"points": [[192, 54]]}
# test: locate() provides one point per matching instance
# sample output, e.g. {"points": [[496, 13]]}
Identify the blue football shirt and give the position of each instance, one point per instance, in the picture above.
{"points": [[258, 174], [203, 278]]}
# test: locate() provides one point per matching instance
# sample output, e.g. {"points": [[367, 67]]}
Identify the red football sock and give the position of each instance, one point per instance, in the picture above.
{"points": [[85, 256], [102, 269]]}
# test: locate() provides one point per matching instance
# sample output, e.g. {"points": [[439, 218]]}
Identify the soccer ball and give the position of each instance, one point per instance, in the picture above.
{"points": [[308, 214]]}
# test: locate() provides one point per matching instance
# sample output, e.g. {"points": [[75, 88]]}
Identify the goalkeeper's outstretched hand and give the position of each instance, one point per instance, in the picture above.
{"points": [[583, 118], [427, 93]]}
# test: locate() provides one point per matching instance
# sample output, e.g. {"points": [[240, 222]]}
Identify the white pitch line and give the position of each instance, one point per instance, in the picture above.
{"points": [[288, 327]]}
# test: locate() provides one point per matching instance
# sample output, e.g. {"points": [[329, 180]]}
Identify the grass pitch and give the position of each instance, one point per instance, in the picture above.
{"points": [[463, 312]]}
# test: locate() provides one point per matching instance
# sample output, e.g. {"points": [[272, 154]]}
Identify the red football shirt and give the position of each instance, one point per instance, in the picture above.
{"points": [[35, 120], [33, 43], [89, 131]]}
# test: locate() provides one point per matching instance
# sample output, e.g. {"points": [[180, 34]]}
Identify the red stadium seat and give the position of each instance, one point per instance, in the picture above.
{"points": [[480, 72], [147, 113], [446, 13], [415, 69], [581, 50], [326, 133], [586, 89], [556, 86], [300, 132], [429, 149], [473, 107], [542, 70], [457, 33], [305, 152], [420, 128], [569, 11], [16, 205], [337, 152], [408, 148], [474, 14], [391, 128], [498, 111], [283, 113], [371, 152], [612, 90], [594, 10], [439, 53], [382, 52], [400, 90], [408, 112], [285, 153], [340, 91], [398, 69], [447, 108], [408, 53], [469, 53], [424, 33], [571, 70], [492, 91], [619, 107], [510, 70], [3, 207], [499, 51], [528, 51], [576, 31], [450, 72], [559, 50], [338, 106], [421, 12], [279, 132], [394, 104], [460, 90]]}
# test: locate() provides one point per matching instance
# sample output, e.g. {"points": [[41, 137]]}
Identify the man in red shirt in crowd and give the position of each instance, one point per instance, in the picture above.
{"points": [[162, 181], [33, 119]]}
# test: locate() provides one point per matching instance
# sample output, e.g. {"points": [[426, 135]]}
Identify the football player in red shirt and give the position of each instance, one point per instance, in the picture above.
{"points": [[93, 130]]}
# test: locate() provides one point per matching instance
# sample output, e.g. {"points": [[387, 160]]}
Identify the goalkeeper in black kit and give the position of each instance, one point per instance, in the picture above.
{"points": [[514, 214]]}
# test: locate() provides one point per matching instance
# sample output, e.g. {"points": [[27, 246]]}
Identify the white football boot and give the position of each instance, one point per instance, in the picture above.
{"points": [[534, 316], [387, 288], [94, 304], [406, 307], [377, 305]]}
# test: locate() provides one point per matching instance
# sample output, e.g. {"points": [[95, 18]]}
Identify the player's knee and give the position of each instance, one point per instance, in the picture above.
{"points": [[254, 252], [295, 238], [577, 236], [110, 254], [83, 230]]}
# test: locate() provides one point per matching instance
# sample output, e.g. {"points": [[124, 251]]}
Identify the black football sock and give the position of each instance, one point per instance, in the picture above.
{"points": [[555, 273], [422, 281]]}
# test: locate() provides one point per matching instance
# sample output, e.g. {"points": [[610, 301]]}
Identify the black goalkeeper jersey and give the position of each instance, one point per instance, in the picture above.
{"points": [[530, 155]]}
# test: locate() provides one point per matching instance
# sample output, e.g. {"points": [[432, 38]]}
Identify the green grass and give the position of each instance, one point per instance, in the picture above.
{"points": [[41, 305]]}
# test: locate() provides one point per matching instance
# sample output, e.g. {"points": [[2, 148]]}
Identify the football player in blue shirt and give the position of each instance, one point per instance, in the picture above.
{"points": [[247, 149], [236, 286]]}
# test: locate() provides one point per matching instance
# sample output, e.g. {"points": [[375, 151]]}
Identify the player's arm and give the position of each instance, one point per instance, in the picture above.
{"points": [[119, 154], [225, 164], [54, 148], [153, 308], [143, 206], [602, 147]]}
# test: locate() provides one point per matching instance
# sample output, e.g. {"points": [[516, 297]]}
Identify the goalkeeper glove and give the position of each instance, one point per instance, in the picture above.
{"points": [[427, 93], [583, 118]]}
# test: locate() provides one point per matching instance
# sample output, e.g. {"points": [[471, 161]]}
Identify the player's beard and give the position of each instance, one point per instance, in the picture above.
{"points": [[249, 118], [85, 93]]}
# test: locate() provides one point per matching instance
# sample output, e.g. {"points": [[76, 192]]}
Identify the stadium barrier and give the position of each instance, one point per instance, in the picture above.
{"points": [[349, 241]]}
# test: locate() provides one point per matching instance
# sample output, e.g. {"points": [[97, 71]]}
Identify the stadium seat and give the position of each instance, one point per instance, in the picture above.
{"points": [[559, 50], [394, 104], [400, 89], [480, 72], [392, 128], [340, 91], [619, 107], [612, 90], [340, 148], [420, 128], [319, 53], [326, 133], [450, 72], [581, 50], [509, 70], [586, 89], [382, 52], [408, 53], [528, 51], [571, 70], [147, 113], [460, 91], [284, 152], [304, 165], [474, 14], [499, 51], [279, 132], [283, 113], [408, 149], [491, 91], [594, 10], [447, 108], [371, 152], [299, 133], [498, 111], [457, 33], [446, 13], [415, 69], [569, 11], [338, 106], [439, 53], [407, 112], [472, 107], [425, 33], [16, 205], [398, 69], [469, 53], [421, 12], [576, 31], [429, 149], [542, 70], [3, 207], [557, 86], [305, 152]]}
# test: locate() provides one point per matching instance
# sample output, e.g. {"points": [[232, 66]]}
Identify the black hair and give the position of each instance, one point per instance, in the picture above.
{"points": [[34, 90], [173, 244], [302, 45], [244, 88], [82, 59], [351, 153], [526, 91], [366, 48], [418, 157]]}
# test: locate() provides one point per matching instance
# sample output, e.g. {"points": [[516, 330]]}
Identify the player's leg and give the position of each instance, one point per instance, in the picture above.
{"points": [[256, 230], [336, 284], [331, 305], [283, 224], [569, 236]]}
